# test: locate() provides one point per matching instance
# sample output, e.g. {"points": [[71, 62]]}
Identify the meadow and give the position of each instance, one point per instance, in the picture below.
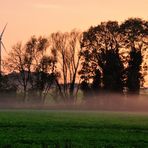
{"points": [[72, 129]]}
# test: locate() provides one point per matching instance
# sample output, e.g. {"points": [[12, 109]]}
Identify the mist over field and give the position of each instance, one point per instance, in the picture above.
{"points": [[102, 102]]}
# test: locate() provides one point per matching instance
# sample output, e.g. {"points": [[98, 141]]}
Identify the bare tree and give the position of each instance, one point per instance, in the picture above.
{"points": [[67, 49], [17, 63], [32, 65]]}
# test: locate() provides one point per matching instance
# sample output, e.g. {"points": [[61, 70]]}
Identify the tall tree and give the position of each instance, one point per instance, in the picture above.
{"points": [[66, 46], [101, 63], [135, 33]]}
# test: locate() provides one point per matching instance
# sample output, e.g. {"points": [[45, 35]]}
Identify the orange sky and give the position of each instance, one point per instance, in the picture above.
{"points": [[41, 17]]}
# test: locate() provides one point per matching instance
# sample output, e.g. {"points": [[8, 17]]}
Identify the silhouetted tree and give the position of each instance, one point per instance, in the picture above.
{"points": [[135, 31], [101, 58], [67, 49], [112, 57], [34, 67], [17, 63], [7, 86], [96, 84], [44, 76], [85, 89]]}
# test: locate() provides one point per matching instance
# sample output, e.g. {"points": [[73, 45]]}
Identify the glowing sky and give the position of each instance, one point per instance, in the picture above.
{"points": [[41, 17]]}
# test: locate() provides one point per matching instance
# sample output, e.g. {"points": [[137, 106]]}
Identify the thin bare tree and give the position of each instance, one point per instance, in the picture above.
{"points": [[67, 49]]}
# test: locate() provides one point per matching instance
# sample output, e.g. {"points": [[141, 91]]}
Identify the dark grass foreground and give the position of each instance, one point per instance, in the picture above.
{"points": [[64, 129]]}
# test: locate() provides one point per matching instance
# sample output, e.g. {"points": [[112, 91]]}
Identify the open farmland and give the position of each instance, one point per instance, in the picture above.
{"points": [[42, 128]]}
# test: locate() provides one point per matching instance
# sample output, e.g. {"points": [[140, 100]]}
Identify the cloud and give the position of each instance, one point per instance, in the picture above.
{"points": [[47, 6]]}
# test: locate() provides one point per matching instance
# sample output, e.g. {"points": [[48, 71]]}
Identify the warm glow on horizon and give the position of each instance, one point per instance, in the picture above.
{"points": [[42, 17]]}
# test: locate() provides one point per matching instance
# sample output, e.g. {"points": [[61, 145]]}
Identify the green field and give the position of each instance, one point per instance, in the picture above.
{"points": [[68, 129]]}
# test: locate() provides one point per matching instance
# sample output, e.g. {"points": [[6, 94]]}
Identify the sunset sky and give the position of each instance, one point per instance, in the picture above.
{"points": [[42, 17]]}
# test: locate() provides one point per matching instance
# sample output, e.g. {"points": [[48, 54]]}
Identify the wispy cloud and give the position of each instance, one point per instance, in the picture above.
{"points": [[46, 6]]}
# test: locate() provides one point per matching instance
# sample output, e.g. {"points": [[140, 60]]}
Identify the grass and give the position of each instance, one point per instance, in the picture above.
{"points": [[64, 129]]}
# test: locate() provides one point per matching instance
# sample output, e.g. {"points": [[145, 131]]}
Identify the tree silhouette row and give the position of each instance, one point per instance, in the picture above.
{"points": [[110, 57]]}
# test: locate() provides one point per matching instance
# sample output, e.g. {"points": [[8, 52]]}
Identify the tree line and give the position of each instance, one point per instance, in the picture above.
{"points": [[110, 57]]}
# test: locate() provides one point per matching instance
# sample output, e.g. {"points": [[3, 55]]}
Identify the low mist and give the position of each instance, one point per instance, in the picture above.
{"points": [[101, 102]]}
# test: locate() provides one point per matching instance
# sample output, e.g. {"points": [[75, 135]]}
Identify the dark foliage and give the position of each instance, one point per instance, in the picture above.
{"points": [[112, 55], [106, 58], [101, 60], [135, 33]]}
